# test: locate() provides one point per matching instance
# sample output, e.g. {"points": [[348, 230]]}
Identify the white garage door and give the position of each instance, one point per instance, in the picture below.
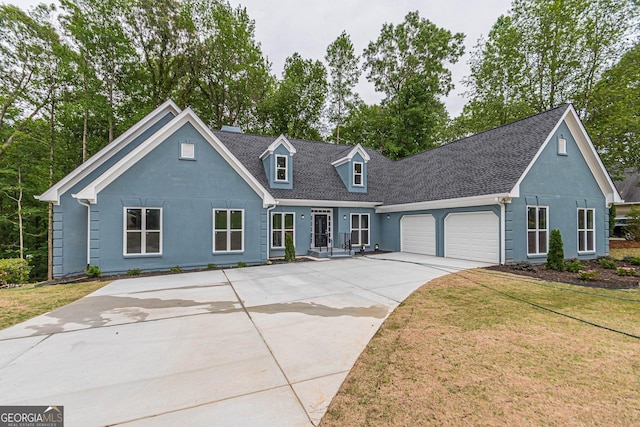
{"points": [[473, 236], [418, 234]]}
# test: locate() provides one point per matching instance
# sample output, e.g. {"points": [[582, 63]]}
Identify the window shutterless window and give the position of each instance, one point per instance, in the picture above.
{"points": [[142, 231], [537, 230], [228, 230], [281, 168], [282, 224], [360, 229], [357, 174], [586, 230]]}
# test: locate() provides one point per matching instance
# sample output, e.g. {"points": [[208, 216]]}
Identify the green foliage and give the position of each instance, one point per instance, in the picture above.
{"points": [[574, 265], [633, 222], [555, 257], [134, 272], [14, 271], [632, 260], [612, 219], [607, 263], [211, 266], [93, 271], [176, 269], [241, 264], [289, 249], [626, 271], [588, 274]]}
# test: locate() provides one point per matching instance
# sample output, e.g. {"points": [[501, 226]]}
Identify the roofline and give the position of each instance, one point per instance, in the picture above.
{"points": [[461, 202], [326, 203], [90, 192], [357, 149], [53, 194]]}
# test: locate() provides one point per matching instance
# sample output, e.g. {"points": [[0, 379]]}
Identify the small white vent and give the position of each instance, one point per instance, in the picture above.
{"points": [[562, 146], [187, 151]]}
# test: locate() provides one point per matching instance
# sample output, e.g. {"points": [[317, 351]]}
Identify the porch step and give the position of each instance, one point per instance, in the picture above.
{"points": [[337, 253]]}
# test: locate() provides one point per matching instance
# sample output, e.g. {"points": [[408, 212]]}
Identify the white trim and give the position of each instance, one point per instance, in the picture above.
{"points": [[228, 230], [286, 168], [503, 230], [281, 140], [53, 194], [361, 174], [562, 146], [360, 229], [143, 229], [537, 230], [588, 151], [585, 230], [90, 192], [327, 203], [329, 214], [357, 149], [283, 230], [489, 199]]}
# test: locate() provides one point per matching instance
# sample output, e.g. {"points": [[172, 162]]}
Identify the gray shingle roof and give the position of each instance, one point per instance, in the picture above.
{"points": [[629, 189], [487, 163]]}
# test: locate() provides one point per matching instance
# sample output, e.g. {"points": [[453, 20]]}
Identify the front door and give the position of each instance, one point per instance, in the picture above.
{"points": [[320, 223]]}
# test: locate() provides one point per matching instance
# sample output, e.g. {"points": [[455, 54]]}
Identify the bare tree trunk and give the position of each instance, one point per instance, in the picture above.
{"points": [[50, 226], [19, 201]]}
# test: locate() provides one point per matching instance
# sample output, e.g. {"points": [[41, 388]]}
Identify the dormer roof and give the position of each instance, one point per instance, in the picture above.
{"points": [[281, 140]]}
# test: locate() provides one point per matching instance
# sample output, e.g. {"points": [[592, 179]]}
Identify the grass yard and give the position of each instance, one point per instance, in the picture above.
{"points": [[20, 304], [620, 253], [458, 353]]}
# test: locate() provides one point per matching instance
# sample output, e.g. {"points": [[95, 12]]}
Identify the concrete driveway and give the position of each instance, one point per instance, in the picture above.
{"points": [[267, 345]]}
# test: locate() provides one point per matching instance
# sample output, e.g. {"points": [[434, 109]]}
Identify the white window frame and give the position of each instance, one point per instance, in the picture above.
{"points": [[360, 174], [143, 232], [183, 148], [285, 168], [537, 230], [283, 230], [228, 230], [586, 230], [562, 146], [359, 229]]}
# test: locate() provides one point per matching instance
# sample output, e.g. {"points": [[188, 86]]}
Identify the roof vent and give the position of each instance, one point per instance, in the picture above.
{"points": [[234, 129]]}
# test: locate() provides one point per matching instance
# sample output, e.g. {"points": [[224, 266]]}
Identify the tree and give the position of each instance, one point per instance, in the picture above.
{"points": [[612, 219], [289, 248], [295, 107], [544, 54], [344, 72], [408, 64], [555, 257]]}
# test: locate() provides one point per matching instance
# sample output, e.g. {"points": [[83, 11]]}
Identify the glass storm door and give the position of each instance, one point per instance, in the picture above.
{"points": [[320, 223]]}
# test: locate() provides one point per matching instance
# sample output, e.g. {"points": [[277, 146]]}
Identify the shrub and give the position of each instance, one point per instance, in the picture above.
{"points": [[176, 269], [524, 266], [241, 264], [612, 219], [626, 271], [632, 260], [633, 222], [289, 249], [134, 272], [93, 271], [587, 274], [211, 266], [574, 265], [14, 271], [555, 257], [607, 263]]}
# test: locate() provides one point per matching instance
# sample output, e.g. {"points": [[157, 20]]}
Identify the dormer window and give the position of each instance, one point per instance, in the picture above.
{"points": [[357, 174], [281, 168]]}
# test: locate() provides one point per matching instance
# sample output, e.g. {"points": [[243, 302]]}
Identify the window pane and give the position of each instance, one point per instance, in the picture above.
{"points": [[364, 221], [590, 219], [357, 179], [531, 218], [153, 219], [277, 239], [365, 237], [134, 242], [236, 240], [354, 237], [357, 167], [288, 221], [355, 221], [281, 175], [221, 220], [542, 242], [590, 241], [581, 219], [153, 242], [221, 240], [276, 221], [531, 242], [236, 220], [542, 219], [581, 241], [134, 219], [281, 161]]}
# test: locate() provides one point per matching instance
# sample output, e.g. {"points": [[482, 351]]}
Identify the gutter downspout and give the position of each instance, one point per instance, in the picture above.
{"points": [[503, 238], [88, 206], [269, 209]]}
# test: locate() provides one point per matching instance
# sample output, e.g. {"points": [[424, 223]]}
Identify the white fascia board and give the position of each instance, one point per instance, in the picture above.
{"points": [[588, 151], [90, 192], [357, 149], [53, 194], [462, 202], [281, 140], [327, 203]]}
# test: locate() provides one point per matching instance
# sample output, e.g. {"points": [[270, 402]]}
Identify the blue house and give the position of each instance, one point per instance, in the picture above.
{"points": [[170, 191]]}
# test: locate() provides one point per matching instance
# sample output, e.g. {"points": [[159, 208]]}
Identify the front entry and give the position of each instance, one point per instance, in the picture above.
{"points": [[321, 230]]}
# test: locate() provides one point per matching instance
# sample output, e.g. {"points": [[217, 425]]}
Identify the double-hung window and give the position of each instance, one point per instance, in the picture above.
{"points": [[281, 168], [537, 230], [143, 231], [282, 224], [228, 230], [357, 174], [360, 229], [586, 230]]}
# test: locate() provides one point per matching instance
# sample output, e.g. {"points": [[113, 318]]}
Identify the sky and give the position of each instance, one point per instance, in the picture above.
{"points": [[309, 26]]}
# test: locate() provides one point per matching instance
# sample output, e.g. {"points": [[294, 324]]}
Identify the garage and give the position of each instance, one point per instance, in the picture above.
{"points": [[473, 236], [418, 234]]}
